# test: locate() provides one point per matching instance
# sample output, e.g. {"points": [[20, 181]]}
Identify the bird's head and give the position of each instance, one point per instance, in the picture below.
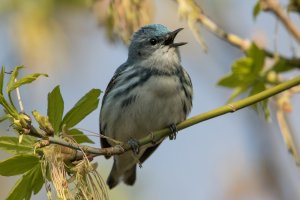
{"points": [[154, 40]]}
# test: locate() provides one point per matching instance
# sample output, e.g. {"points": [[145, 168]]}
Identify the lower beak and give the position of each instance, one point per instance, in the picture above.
{"points": [[170, 39]]}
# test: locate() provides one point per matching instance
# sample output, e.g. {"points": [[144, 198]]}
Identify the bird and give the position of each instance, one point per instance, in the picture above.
{"points": [[148, 92]]}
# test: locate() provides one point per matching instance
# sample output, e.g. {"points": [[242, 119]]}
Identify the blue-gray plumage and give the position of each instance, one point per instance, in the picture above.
{"points": [[150, 91]]}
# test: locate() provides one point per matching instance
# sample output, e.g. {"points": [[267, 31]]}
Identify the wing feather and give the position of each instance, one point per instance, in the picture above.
{"points": [[110, 86]]}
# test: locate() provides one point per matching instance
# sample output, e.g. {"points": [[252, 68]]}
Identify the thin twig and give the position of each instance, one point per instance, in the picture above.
{"points": [[92, 132], [101, 135], [287, 134]]}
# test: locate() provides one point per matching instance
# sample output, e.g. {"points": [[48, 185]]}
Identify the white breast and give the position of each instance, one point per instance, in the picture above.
{"points": [[157, 105]]}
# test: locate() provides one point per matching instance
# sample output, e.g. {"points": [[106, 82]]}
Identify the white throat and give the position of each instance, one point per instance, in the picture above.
{"points": [[165, 59]]}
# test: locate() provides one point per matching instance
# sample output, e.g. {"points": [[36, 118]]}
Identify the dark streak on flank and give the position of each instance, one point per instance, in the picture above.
{"points": [[184, 108], [128, 101], [183, 83]]}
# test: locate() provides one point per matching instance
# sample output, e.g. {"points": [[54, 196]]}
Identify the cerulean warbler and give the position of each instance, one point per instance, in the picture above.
{"points": [[150, 91]]}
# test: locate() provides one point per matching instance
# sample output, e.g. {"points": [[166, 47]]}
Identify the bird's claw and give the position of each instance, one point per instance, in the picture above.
{"points": [[174, 131], [134, 143]]}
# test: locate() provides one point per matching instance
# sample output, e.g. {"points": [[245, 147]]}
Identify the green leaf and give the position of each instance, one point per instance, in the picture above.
{"points": [[8, 108], [236, 92], [79, 136], [1, 79], [246, 71], [21, 190], [25, 80], [4, 117], [29, 140], [256, 88], [13, 76], [241, 74], [87, 104], [30, 182], [37, 180], [18, 164], [256, 9], [259, 86], [55, 108], [230, 81], [11, 144], [281, 66], [242, 66], [258, 56]]}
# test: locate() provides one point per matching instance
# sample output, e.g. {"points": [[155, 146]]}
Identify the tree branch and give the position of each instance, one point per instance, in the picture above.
{"points": [[160, 134], [192, 12], [274, 7]]}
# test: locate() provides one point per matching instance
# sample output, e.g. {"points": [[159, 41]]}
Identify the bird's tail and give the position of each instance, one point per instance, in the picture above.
{"points": [[130, 176], [114, 177]]}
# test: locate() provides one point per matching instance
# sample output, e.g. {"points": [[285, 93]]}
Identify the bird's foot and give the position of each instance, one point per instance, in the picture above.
{"points": [[134, 143], [174, 131]]}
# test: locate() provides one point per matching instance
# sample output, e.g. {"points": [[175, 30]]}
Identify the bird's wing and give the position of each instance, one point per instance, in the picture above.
{"points": [[110, 86], [113, 80]]}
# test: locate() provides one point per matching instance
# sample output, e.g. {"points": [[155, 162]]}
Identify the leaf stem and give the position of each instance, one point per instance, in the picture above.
{"points": [[11, 101]]}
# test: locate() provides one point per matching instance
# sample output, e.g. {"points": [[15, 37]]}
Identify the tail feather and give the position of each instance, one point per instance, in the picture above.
{"points": [[130, 176], [113, 178]]}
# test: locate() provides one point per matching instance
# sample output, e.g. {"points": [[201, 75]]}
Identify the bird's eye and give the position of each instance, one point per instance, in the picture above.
{"points": [[153, 41]]}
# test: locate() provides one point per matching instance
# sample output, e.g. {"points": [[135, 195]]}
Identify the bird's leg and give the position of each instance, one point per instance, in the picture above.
{"points": [[174, 131], [134, 143]]}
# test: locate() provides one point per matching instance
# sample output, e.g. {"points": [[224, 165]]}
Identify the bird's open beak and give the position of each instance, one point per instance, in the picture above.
{"points": [[170, 39]]}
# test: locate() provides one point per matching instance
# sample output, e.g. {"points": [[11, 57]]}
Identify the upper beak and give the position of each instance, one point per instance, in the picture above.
{"points": [[170, 39]]}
